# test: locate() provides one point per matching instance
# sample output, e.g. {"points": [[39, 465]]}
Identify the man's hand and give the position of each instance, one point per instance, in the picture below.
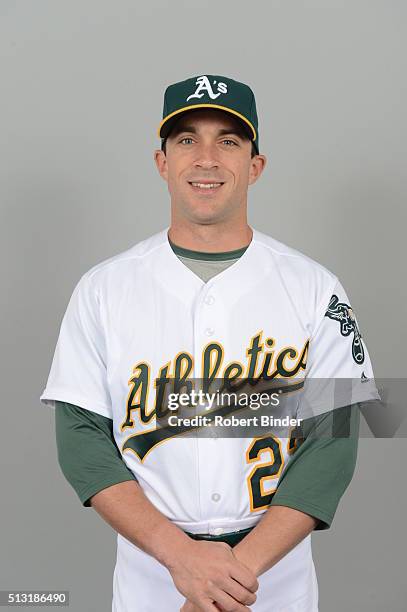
{"points": [[208, 572]]}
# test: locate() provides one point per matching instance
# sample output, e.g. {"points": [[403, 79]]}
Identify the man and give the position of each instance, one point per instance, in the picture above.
{"points": [[204, 522]]}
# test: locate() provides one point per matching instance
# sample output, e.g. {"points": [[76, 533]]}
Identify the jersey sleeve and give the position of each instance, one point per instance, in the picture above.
{"points": [[87, 452], [78, 372], [339, 370]]}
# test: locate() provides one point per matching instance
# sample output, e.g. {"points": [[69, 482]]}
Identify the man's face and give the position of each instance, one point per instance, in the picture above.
{"points": [[207, 146]]}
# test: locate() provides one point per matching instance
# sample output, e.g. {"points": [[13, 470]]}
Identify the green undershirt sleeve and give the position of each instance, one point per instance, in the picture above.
{"points": [[87, 452], [313, 482], [322, 465]]}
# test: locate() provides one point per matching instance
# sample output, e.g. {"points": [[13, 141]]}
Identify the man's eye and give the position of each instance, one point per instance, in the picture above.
{"points": [[224, 140]]}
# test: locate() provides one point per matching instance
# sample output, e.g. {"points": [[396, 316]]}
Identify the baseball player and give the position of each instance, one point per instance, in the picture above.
{"points": [[206, 522]]}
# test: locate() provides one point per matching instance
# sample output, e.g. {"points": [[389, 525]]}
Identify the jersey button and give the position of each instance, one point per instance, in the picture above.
{"points": [[215, 497], [209, 300], [209, 331]]}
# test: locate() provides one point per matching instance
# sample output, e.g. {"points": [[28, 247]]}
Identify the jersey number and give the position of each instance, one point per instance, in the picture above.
{"points": [[264, 471]]}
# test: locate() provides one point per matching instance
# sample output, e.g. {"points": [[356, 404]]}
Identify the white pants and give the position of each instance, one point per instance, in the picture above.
{"points": [[141, 584]]}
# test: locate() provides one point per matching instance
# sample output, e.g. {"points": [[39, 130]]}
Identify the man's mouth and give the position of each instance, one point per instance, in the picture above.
{"points": [[205, 187]]}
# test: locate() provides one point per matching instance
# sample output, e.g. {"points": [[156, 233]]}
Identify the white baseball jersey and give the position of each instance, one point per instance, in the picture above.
{"points": [[142, 315]]}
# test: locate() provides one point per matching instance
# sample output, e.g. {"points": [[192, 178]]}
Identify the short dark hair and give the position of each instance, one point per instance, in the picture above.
{"points": [[238, 128]]}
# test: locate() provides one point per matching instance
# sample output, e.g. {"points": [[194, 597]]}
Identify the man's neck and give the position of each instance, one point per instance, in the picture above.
{"points": [[210, 238]]}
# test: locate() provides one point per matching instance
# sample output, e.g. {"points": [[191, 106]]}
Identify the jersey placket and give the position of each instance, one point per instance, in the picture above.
{"points": [[209, 326]]}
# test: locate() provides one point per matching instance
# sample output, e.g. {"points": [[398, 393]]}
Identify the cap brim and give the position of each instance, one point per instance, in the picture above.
{"points": [[168, 121]]}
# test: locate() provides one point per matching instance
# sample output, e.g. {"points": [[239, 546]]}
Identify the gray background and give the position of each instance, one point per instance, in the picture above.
{"points": [[81, 98]]}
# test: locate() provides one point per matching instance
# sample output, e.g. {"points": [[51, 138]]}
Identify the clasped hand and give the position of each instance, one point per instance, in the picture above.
{"points": [[212, 579]]}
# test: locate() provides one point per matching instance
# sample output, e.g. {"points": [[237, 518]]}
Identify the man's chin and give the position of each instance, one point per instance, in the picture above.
{"points": [[205, 219], [204, 212]]}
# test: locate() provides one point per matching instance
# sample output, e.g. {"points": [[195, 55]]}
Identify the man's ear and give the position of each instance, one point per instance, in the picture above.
{"points": [[161, 163], [257, 165]]}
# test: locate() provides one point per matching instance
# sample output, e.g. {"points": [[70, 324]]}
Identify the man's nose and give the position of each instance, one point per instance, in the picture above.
{"points": [[206, 156]]}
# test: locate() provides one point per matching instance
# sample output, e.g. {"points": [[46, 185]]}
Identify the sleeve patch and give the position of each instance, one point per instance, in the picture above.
{"points": [[343, 313]]}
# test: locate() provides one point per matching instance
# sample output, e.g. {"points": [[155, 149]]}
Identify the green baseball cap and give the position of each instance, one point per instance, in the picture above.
{"points": [[210, 91]]}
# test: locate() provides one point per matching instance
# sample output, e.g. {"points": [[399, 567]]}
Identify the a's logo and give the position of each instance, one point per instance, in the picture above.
{"points": [[364, 378], [204, 85], [343, 313]]}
